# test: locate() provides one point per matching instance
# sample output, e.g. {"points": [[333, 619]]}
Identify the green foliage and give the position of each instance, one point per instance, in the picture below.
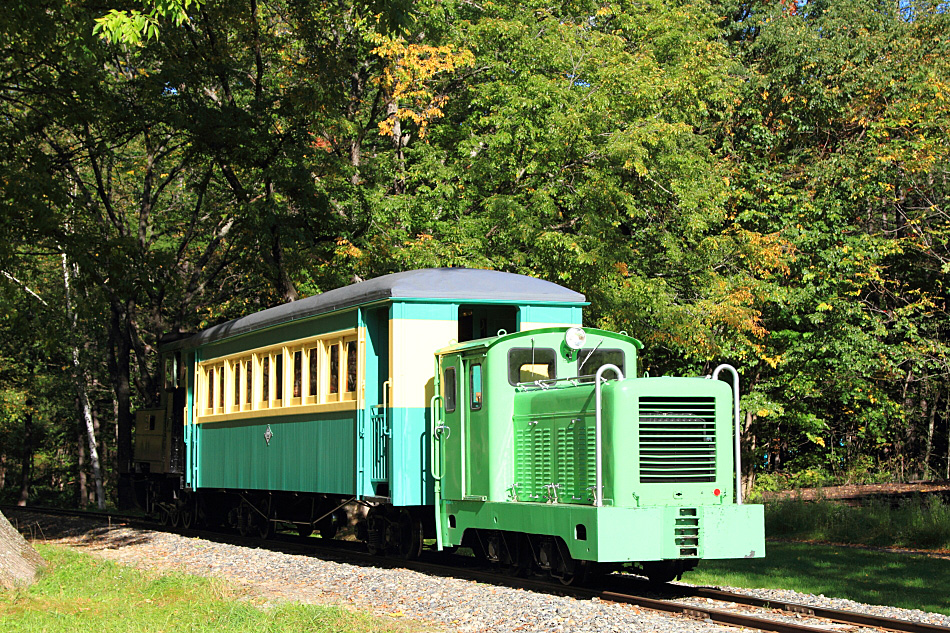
{"points": [[131, 26], [78, 592]]}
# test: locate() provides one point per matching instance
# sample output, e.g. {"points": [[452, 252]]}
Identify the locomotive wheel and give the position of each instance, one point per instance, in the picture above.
{"points": [[304, 529], [584, 572], [661, 572], [174, 517]]}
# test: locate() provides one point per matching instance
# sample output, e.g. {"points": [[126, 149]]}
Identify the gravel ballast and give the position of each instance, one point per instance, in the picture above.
{"points": [[449, 604]]}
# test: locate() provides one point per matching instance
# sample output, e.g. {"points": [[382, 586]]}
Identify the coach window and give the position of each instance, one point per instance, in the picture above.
{"points": [[248, 384], [221, 384], [278, 379], [450, 388], [297, 385], [333, 371], [313, 375], [209, 389], [265, 383], [527, 364], [352, 357], [475, 385], [591, 359], [236, 398]]}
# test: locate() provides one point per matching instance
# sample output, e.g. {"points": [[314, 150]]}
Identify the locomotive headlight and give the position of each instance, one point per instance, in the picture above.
{"points": [[575, 338]]}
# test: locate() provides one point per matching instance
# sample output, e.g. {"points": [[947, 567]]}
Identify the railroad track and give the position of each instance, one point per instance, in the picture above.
{"points": [[714, 605]]}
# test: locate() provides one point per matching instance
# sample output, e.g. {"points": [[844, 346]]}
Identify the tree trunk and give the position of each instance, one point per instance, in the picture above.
{"points": [[26, 463], [120, 349], [946, 417], [82, 494], [19, 562], [80, 382], [930, 436]]}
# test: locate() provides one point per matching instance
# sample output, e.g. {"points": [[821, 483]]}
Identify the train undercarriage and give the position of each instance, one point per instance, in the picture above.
{"points": [[387, 530]]}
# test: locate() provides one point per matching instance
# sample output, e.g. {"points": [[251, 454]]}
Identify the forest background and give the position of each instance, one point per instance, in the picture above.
{"points": [[760, 183]]}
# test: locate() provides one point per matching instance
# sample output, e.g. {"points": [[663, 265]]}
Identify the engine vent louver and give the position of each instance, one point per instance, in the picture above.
{"points": [[677, 439]]}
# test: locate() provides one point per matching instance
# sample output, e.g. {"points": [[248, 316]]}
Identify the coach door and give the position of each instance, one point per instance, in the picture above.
{"points": [[378, 403]]}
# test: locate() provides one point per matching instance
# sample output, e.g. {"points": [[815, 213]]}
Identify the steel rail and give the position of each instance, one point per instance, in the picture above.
{"points": [[837, 615]]}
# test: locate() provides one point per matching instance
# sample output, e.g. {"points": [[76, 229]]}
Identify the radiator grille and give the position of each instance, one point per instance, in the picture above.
{"points": [[677, 439], [554, 460]]}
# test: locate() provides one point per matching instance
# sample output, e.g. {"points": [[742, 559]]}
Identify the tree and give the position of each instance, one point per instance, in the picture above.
{"points": [[839, 144], [19, 562]]}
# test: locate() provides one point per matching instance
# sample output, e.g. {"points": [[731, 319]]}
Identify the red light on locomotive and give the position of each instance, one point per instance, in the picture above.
{"points": [[717, 492]]}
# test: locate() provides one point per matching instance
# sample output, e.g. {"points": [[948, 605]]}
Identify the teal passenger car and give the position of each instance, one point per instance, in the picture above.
{"points": [[454, 404]]}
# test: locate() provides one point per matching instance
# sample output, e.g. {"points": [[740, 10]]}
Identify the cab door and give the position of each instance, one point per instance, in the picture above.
{"points": [[450, 431]]}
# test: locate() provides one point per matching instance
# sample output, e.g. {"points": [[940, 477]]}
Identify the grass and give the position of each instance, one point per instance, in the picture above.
{"points": [[875, 577], [914, 523], [864, 575], [79, 593]]}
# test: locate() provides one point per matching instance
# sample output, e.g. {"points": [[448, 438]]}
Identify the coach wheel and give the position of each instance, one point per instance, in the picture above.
{"points": [[304, 529], [328, 526], [243, 519], [188, 513], [409, 543], [262, 526], [376, 528]]}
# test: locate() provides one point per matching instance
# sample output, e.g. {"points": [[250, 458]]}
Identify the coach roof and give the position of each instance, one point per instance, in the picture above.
{"points": [[440, 284]]}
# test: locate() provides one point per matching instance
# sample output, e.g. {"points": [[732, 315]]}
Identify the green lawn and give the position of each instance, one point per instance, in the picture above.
{"points": [[912, 582], [79, 593]]}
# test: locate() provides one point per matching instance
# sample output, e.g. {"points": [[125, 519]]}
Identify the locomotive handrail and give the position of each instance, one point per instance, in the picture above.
{"points": [[436, 437], [599, 453], [738, 424]]}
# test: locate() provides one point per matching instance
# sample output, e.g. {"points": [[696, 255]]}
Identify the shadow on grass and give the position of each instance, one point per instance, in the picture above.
{"points": [[886, 578]]}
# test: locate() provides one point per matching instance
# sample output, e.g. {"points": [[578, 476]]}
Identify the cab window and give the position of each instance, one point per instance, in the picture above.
{"points": [[528, 364], [475, 386], [450, 387], [591, 359]]}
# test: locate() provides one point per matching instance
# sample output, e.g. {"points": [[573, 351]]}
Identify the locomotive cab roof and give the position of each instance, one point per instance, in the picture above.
{"points": [[486, 343]]}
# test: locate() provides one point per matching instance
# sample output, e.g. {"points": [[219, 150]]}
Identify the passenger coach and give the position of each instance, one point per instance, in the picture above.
{"points": [[290, 413]]}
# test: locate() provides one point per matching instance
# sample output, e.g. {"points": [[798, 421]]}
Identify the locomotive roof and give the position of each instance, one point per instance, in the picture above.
{"points": [[462, 284], [491, 341]]}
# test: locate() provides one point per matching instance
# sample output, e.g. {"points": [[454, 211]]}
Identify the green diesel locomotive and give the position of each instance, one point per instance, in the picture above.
{"points": [[540, 449]]}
